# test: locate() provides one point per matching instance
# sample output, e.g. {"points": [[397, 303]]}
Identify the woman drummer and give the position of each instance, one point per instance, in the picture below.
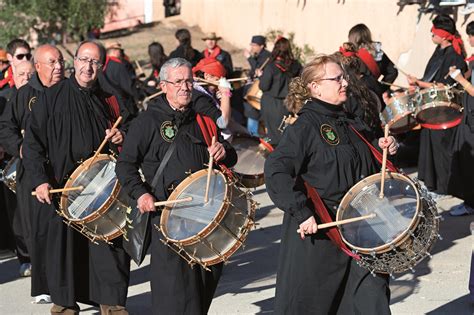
{"points": [[316, 276]]}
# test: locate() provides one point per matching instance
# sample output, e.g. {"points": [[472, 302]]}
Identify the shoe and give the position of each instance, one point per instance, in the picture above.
{"points": [[437, 197], [468, 9], [461, 209], [25, 270], [6, 254], [42, 299], [446, 3]]}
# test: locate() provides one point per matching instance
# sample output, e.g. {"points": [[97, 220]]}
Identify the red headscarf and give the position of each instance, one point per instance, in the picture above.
{"points": [[210, 66], [454, 39]]}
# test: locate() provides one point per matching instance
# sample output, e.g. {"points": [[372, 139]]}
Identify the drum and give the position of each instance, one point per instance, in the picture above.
{"points": [[9, 174], [254, 95], [398, 113], [99, 210], [402, 233], [440, 108], [207, 233], [252, 153]]}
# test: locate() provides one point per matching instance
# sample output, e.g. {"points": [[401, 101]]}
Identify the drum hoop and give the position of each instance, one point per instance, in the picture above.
{"points": [[439, 104], [105, 205], [212, 225], [347, 198], [10, 163]]}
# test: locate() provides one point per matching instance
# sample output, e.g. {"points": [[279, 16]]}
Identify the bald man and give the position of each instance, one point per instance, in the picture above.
{"points": [[32, 216], [68, 123]]}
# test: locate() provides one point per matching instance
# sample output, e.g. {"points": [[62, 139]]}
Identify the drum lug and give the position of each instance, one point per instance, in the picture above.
{"points": [[439, 237], [211, 248], [391, 276], [433, 93], [412, 269]]}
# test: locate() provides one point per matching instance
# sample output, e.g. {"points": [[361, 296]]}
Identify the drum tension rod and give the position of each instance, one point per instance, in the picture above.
{"points": [[230, 233], [188, 259], [211, 248]]}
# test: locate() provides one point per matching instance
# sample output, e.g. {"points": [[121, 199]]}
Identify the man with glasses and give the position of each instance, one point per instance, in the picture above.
{"points": [[68, 123], [17, 50], [171, 120]]}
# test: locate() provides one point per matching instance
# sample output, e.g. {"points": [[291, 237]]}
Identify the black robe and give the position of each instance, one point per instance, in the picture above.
{"points": [[176, 287], [274, 84], [314, 276], [436, 146], [67, 124], [226, 60], [180, 52], [255, 62]]}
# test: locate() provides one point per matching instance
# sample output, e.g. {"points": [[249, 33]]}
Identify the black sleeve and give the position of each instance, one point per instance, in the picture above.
{"points": [[388, 70], [10, 128], [35, 144], [283, 165], [230, 153], [266, 79], [204, 105]]}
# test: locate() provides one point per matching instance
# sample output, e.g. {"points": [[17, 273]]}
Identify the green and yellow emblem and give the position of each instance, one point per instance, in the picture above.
{"points": [[168, 131], [329, 134]]}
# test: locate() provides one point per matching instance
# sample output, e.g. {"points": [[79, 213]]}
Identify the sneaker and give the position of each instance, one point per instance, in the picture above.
{"points": [[25, 270], [468, 9], [446, 3], [42, 299], [461, 209]]}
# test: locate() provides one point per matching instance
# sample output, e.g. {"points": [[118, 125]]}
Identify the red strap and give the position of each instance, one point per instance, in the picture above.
{"points": [[267, 145], [369, 61], [442, 126], [114, 105], [8, 79]]}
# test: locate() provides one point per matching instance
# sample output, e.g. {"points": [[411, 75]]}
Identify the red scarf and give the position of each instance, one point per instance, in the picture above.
{"points": [[454, 39], [369, 61], [215, 52], [107, 60], [469, 59], [8, 79]]}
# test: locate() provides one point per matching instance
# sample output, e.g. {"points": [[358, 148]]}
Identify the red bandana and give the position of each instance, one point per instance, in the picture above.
{"points": [[455, 40], [215, 52]]}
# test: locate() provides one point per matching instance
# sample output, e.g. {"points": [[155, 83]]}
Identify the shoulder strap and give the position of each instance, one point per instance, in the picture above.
{"points": [[163, 163]]}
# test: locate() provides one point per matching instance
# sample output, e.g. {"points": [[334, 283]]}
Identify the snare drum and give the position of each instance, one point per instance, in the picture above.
{"points": [[99, 210], [252, 153], [207, 233], [398, 113], [405, 227], [9, 174], [440, 108]]}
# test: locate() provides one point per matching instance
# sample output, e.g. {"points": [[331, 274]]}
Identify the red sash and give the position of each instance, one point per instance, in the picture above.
{"points": [[369, 61]]}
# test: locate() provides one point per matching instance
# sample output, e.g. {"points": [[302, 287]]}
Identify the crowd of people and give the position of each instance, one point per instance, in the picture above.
{"points": [[51, 123]]}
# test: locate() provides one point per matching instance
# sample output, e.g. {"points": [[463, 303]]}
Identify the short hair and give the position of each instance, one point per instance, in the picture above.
{"points": [[101, 47], [173, 63], [15, 44], [470, 28], [445, 22]]}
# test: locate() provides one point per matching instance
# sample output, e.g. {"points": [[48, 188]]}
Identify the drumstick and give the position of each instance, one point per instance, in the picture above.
{"points": [[58, 190], [341, 222], [395, 85], [119, 119], [402, 72], [209, 172], [384, 164], [169, 202], [140, 69]]}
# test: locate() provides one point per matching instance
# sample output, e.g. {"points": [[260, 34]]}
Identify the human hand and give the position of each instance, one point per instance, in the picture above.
{"points": [[390, 143], [42, 193], [217, 151], [146, 203], [308, 227], [114, 135]]}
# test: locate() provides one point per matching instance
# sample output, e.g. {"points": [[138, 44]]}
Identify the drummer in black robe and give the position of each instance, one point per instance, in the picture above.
{"points": [[67, 125], [315, 274], [176, 287], [49, 64], [436, 146]]}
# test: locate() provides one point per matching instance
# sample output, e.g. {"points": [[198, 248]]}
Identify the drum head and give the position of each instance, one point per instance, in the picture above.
{"points": [[251, 156], [395, 213], [99, 182], [188, 219]]}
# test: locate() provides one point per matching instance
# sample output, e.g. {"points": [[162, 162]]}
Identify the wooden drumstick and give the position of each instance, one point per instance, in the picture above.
{"points": [[117, 122], [59, 190], [384, 164], [401, 71], [395, 85], [209, 172], [170, 202], [341, 222]]}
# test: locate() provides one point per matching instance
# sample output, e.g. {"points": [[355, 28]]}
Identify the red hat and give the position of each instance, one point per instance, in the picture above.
{"points": [[210, 66]]}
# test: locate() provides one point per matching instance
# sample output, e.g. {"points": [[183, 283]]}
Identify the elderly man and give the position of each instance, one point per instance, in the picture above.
{"points": [[49, 64], [68, 123], [215, 51], [169, 128]]}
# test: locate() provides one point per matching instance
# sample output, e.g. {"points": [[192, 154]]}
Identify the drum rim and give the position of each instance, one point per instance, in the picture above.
{"points": [[105, 205], [414, 221], [208, 229]]}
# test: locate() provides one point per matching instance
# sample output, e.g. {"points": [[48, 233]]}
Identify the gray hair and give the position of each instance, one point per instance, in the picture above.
{"points": [[173, 63]]}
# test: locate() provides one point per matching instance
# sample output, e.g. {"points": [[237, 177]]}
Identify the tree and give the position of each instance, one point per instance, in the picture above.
{"points": [[50, 19]]}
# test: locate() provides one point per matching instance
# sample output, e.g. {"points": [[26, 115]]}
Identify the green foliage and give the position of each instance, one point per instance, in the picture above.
{"points": [[302, 54], [51, 19]]}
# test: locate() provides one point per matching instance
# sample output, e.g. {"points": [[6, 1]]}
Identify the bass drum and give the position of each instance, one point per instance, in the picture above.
{"points": [[207, 233], [402, 233], [252, 153], [99, 210]]}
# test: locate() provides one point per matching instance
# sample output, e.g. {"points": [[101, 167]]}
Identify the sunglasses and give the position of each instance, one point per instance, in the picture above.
{"points": [[22, 56]]}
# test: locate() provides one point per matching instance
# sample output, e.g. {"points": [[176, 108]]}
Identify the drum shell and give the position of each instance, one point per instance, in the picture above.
{"points": [[439, 108], [9, 174], [398, 113], [254, 95]]}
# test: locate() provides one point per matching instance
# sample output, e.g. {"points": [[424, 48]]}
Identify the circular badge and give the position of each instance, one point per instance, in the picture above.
{"points": [[168, 131], [31, 102], [329, 134]]}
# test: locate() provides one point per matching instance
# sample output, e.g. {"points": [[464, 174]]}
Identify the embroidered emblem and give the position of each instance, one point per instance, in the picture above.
{"points": [[31, 102], [168, 131], [329, 134]]}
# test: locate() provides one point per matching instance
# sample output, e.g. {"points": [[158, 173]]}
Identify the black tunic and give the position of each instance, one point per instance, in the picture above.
{"points": [[67, 125], [274, 84], [176, 288], [314, 276], [436, 146], [180, 52], [225, 59]]}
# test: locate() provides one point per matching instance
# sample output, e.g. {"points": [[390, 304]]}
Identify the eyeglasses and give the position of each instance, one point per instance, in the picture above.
{"points": [[94, 63], [22, 56], [52, 63], [337, 79], [179, 83]]}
